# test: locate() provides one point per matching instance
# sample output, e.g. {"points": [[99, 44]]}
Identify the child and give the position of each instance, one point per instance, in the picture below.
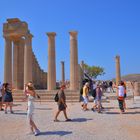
{"points": [[8, 98], [31, 95]]}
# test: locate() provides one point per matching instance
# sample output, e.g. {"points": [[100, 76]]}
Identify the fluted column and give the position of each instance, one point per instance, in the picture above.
{"points": [[8, 61], [15, 63], [62, 72], [73, 61], [51, 61], [118, 73], [28, 59], [21, 64]]}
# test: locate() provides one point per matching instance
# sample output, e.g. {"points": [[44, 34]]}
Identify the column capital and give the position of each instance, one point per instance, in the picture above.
{"points": [[51, 34], [117, 57], [7, 38], [29, 35], [73, 34]]}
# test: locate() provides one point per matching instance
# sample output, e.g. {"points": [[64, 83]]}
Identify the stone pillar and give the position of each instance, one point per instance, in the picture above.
{"points": [[62, 72], [118, 73], [28, 59], [73, 61], [8, 61], [137, 91], [33, 69], [21, 64], [15, 64], [51, 61]]}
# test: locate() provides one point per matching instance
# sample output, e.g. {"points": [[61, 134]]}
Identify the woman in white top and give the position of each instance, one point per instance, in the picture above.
{"points": [[30, 111], [120, 95]]}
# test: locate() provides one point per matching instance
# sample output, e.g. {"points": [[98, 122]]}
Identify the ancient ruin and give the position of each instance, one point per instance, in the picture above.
{"points": [[21, 65], [118, 73]]}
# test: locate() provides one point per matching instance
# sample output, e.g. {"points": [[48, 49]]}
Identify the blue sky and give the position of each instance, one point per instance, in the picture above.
{"points": [[105, 28]]}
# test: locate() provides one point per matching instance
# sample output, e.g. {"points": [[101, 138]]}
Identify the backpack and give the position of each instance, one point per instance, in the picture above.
{"points": [[81, 91], [94, 93], [56, 98]]}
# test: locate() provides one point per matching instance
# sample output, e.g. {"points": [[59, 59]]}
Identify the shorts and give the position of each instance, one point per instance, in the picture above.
{"points": [[95, 101], [85, 100], [61, 106]]}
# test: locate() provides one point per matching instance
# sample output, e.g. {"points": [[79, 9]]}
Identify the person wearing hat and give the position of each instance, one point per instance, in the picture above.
{"points": [[30, 110], [61, 104], [85, 96]]}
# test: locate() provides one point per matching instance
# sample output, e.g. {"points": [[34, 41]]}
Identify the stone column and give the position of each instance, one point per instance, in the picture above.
{"points": [[15, 64], [51, 61], [33, 69], [18, 63], [8, 61], [28, 59], [73, 61], [21, 64], [118, 73], [62, 72], [137, 91]]}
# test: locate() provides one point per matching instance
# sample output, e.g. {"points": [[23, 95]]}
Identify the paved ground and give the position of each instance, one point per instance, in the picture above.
{"points": [[89, 125]]}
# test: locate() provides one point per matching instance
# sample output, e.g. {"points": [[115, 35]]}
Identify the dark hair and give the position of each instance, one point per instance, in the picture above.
{"points": [[30, 87], [6, 85], [121, 83]]}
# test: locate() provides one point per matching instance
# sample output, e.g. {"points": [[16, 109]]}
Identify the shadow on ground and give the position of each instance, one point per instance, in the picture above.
{"points": [[80, 120], [59, 133], [43, 108], [18, 113], [114, 113]]}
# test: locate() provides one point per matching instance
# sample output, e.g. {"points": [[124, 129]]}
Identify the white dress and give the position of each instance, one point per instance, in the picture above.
{"points": [[30, 110]]}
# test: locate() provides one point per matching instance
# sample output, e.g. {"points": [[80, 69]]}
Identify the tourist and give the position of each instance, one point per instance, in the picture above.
{"points": [[99, 97], [111, 86], [1, 97], [61, 104], [120, 95], [125, 95], [31, 94], [8, 98], [85, 96], [94, 96]]}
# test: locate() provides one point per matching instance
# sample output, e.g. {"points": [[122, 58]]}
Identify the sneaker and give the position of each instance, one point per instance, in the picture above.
{"points": [[92, 109], [37, 132]]}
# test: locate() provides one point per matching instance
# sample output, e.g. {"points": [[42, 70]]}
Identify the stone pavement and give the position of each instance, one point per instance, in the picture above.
{"points": [[85, 125]]}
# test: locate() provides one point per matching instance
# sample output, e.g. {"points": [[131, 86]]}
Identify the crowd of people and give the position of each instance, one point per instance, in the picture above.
{"points": [[96, 90]]}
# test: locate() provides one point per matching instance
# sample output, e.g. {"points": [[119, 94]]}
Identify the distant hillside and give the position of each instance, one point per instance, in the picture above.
{"points": [[131, 77]]}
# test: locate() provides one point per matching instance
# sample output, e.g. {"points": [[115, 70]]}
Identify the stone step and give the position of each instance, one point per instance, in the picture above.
{"points": [[47, 96]]}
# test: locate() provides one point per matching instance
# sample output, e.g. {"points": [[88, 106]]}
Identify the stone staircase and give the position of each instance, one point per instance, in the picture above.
{"points": [[47, 96]]}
